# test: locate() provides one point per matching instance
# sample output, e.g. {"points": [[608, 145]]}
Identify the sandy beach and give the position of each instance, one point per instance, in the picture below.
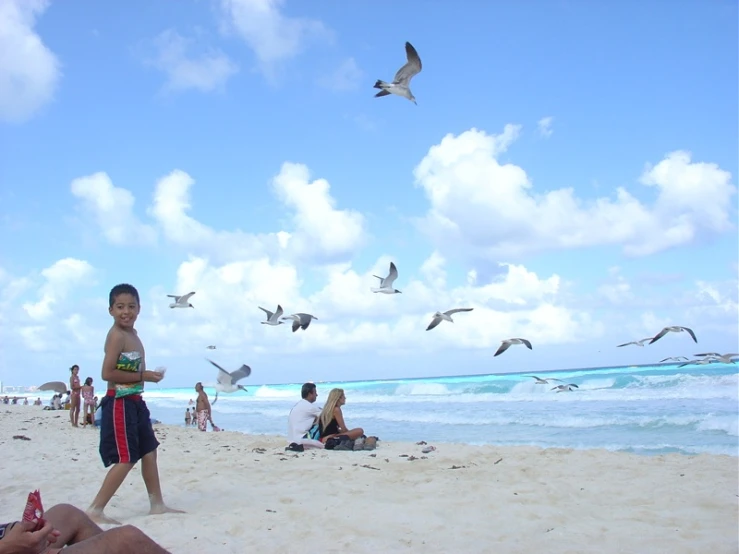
{"points": [[247, 494]]}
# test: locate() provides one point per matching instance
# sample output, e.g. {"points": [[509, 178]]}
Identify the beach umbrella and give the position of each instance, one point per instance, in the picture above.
{"points": [[56, 386]]}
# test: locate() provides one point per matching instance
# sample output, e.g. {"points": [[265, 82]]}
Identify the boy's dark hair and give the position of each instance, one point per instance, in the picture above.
{"points": [[123, 288], [307, 389]]}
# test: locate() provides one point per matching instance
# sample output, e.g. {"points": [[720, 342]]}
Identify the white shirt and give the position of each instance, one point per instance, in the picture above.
{"points": [[301, 419]]}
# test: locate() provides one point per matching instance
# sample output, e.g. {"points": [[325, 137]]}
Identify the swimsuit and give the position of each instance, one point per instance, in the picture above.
{"points": [[75, 384], [129, 361], [203, 420], [331, 429]]}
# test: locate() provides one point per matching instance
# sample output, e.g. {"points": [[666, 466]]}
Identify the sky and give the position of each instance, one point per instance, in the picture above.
{"points": [[569, 172]]}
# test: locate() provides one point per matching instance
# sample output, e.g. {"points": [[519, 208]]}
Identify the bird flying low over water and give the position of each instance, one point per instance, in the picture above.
{"points": [[636, 342], [544, 381], [446, 316], [386, 283], [565, 388], [211, 347], [674, 359], [402, 80], [725, 358], [272, 318], [673, 329], [181, 301], [300, 320], [227, 382], [508, 342]]}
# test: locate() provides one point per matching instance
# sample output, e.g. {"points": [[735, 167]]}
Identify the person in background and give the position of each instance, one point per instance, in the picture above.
{"points": [[302, 417], [75, 388], [202, 405], [331, 421], [88, 397], [188, 417]]}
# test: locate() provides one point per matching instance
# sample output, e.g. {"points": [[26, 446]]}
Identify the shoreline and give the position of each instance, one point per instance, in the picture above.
{"points": [[246, 492]]}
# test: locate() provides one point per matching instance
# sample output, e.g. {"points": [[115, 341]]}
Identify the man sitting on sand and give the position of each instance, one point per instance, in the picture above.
{"points": [[67, 526], [302, 417]]}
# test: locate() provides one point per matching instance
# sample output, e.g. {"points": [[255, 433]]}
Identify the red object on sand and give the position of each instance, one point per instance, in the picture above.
{"points": [[34, 511]]}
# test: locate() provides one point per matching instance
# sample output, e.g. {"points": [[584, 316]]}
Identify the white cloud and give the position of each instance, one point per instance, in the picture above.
{"points": [[29, 71], [545, 126], [322, 233], [347, 76], [59, 279], [273, 36], [490, 210], [319, 232], [112, 209], [206, 71]]}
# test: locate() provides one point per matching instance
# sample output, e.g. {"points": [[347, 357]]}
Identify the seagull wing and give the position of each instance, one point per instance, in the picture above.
{"points": [[391, 276], [625, 344], [269, 314], [224, 377], [185, 298], [434, 323], [690, 332], [56, 386], [709, 354], [573, 385], [176, 298], [296, 324], [661, 334], [412, 67], [503, 348], [279, 311], [527, 343], [457, 310], [241, 373]]}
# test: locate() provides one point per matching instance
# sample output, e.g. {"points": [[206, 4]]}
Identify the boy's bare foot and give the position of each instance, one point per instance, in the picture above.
{"points": [[162, 509], [99, 517]]}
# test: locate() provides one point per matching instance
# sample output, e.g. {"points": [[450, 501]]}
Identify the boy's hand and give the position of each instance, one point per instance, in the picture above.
{"points": [[24, 540], [153, 376]]}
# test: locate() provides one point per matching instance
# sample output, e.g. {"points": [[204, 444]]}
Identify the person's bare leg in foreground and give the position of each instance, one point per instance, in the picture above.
{"points": [[84, 537]]}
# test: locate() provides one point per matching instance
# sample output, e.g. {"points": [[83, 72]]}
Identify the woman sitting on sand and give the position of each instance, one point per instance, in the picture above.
{"points": [[331, 421]]}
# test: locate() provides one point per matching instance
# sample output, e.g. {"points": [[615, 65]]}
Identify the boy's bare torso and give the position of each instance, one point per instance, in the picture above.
{"points": [[131, 343]]}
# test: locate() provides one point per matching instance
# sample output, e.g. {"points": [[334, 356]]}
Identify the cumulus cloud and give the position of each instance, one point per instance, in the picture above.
{"points": [[319, 232], [545, 126], [490, 210], [59, 279], [273, 36], [29, 71], [112, 209], [206, 71]]}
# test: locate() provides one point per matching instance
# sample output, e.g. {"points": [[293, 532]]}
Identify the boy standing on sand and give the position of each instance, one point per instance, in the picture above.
{"points": [[126, 434]]}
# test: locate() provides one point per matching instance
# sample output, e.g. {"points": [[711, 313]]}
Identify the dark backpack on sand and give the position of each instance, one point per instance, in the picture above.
{"points": [[339, 443]]}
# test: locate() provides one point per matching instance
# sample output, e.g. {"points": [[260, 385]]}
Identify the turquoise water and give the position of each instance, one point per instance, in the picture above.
{"points": [[645, 409]]}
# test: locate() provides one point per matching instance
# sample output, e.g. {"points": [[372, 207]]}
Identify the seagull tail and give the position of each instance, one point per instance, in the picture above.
{"points": [[380, 84]]}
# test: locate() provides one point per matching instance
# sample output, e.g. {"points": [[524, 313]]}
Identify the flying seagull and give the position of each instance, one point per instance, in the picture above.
{"points": [[227, 381], [725, 358], [445, 316], [300, 320], [702, 361], [56, 386], [272, 318], [507, 343], [636, 342], [674, 359], [211, 347], [386, 283], [565, 388], [544, 381], [181, 301], [402, 80], [673, 329]]}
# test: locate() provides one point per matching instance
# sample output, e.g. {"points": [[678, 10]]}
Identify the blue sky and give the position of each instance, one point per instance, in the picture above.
{"points": [[569, 172]]}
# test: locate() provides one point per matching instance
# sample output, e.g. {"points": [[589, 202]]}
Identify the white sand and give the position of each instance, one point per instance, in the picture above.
{"points": [[239, 500]]}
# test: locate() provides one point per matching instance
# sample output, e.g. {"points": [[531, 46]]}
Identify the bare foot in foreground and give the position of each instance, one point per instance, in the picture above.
{"points": [[162, 509], [100, 518]]}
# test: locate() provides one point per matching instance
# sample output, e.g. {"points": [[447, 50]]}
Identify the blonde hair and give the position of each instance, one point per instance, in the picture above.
{"points": [[327, 414]]}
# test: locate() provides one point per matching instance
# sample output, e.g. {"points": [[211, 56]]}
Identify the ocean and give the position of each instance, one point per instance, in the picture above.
{"points": [[641, 409]]}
